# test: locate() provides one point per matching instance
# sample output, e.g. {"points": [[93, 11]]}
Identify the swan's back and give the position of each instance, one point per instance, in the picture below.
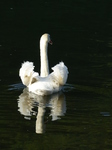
{"points": [[52, 83]]}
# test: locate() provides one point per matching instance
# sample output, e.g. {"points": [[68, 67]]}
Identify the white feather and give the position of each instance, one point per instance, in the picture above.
{"points": [[52, 83], [60, 73], [26, 73]]}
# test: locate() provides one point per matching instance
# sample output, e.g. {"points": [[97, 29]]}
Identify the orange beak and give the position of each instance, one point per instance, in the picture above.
{"points": [[50, 42]]}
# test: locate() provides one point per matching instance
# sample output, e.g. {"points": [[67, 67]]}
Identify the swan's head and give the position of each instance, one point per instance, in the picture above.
{"points": [[45, 38]]}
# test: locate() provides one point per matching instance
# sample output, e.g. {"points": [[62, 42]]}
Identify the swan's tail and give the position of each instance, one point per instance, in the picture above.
{"points": [[60, 71], [26, 73]]}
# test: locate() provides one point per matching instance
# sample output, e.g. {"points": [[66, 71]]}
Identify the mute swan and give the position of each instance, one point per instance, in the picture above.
{"points": [[46, 83]]}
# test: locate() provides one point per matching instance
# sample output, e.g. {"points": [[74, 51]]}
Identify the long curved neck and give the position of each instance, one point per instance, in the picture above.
{"points": [[44, 59]]}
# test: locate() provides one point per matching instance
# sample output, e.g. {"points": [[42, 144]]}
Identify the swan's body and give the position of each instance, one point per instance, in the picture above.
{"points": [[46, 83]]}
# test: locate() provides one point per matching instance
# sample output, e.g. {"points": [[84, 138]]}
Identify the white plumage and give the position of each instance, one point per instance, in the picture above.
{"points": [[27, 73], [45, 84]]}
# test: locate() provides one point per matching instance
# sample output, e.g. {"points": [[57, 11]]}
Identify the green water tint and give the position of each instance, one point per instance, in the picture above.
{"points": [[82, 38]]}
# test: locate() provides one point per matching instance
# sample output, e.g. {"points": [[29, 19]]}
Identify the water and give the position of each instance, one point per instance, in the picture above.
{"points": [[80, 117]]}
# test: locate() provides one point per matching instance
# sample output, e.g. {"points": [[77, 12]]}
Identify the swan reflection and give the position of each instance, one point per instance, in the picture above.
{"points": [[56, 103]]}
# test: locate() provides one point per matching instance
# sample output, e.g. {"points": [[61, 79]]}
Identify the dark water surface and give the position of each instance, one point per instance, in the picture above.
{"points": [[79, 118]]}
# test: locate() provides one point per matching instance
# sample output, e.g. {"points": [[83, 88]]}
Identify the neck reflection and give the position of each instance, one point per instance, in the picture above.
{"points": [[55, 102]]}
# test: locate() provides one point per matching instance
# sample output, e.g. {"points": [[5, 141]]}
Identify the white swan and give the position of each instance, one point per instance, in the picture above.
{"points": [[46, 83]]}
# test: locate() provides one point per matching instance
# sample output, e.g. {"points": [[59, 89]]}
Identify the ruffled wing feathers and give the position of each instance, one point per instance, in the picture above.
{"points": [[27, 73], [60, 71]]}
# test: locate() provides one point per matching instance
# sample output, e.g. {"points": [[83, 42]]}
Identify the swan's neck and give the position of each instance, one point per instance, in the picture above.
{"points": [[44, 59]]}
